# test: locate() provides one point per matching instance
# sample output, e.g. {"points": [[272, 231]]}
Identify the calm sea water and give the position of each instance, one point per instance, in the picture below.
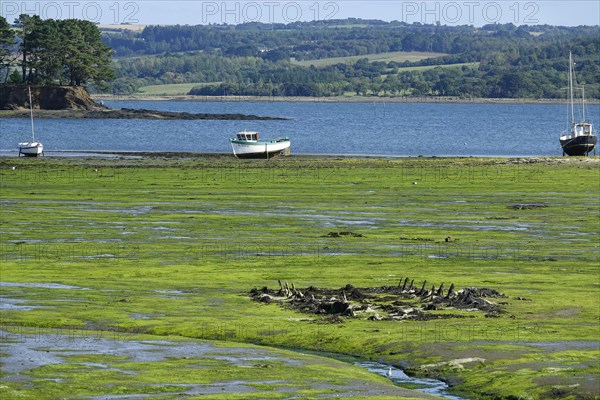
{"points": [[392, 129]]}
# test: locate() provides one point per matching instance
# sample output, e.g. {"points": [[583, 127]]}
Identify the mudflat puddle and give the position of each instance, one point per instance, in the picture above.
{"points": [[9, 304], [429, 386], [41, 285], [426, 386], [26, 353]]}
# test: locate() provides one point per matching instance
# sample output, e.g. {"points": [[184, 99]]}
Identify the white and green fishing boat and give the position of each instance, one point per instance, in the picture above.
{"points": [[247, 145]]}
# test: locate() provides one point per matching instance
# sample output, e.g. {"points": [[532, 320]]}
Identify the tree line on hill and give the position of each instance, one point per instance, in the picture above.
{"points": [[333, 38], [497, 75], [259, 59], [496, 60], [51, 51]]}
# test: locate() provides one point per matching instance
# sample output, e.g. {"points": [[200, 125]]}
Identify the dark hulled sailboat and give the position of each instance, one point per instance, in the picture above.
{"points": [[580, 140]]}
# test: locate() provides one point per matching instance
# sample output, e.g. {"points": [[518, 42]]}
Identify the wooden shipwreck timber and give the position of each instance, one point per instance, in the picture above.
{"points": [[393, 303]]}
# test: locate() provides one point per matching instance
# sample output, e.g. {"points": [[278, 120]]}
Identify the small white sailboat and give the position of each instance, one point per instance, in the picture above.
{"points": [[33, 148], [247, 145]]}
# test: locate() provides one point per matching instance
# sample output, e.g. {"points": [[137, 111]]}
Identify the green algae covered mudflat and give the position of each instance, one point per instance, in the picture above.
{"points": [[157, 250]]}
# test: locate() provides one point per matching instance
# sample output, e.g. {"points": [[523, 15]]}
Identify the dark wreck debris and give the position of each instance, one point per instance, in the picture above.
{"points": [[406, 301], [527, 206], [344, 234]]}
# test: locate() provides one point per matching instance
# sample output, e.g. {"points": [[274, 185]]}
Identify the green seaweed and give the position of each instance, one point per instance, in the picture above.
{"points": [[171, 247]]}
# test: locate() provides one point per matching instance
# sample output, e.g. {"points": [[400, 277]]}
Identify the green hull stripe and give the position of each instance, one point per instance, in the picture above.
{"points": [[257, 143]]}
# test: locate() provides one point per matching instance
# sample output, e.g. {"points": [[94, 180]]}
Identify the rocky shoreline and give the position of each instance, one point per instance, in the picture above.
{"points": [[128, 113], [74, 102], [332, 99]]}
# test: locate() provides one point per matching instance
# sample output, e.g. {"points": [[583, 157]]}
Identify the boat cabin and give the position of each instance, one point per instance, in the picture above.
{"points": [[248, 136], [582, 129]]}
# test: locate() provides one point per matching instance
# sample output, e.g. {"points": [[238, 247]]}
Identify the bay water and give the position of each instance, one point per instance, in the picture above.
{"points": [[314, 127]]}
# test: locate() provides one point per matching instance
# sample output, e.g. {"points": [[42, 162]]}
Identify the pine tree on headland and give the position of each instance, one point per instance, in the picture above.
{"points": [[7, 39], [25, 24], [87, 58], [63, 51]]}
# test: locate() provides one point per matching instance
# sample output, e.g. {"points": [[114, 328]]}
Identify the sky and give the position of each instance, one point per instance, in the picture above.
{"points": [[193, 12]]}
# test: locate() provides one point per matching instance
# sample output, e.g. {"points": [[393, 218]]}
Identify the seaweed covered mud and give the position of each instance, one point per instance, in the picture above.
{"points": [[158, 250]]}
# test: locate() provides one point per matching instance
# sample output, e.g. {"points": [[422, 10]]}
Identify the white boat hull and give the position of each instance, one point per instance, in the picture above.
{"points": [[31, 149], [259, 149]]}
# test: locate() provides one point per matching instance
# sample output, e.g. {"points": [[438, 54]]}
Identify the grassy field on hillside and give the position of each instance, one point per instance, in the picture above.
{"points": [[398, 56], [171, 89], [428, 67]]}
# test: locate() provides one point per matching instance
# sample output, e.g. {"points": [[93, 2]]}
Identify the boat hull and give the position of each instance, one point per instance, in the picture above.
{"points": [[32, 149], [578, 145], [265, 149]]}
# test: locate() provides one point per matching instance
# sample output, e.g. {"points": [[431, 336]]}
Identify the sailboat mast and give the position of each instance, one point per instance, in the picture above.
{"points": [[31, 113], [583, 103], [571, 87]]}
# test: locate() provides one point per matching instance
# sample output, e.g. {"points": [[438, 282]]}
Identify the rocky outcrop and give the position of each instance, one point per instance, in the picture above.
{"points": [[50, 97]]}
